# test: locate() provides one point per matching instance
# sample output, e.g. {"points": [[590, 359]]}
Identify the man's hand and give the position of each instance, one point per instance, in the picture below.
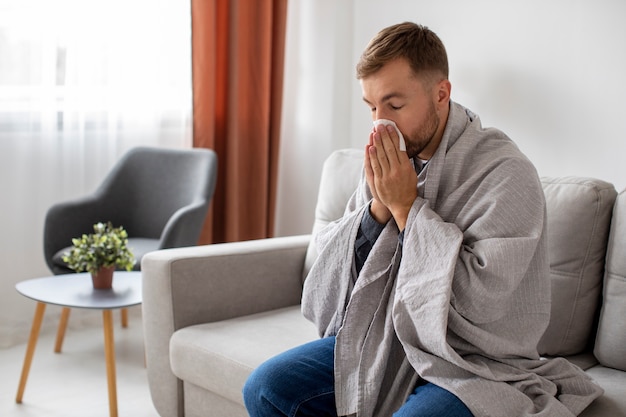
{"points": [[390, 176]]}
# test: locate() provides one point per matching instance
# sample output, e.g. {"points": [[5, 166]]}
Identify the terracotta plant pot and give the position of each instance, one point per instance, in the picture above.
{"points": [[103, 278]]}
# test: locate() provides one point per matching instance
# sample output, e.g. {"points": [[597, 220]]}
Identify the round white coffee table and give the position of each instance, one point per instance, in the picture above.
{"points": [[76, 291]]}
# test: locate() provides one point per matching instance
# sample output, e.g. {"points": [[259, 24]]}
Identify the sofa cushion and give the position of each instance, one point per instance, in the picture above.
{"points": [[613, 402], [579, 215], [334, 193], [219, 356], [610, 347]]}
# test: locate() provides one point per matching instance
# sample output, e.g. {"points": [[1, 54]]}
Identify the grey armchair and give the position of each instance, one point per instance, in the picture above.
{"points": [[160, 196]]}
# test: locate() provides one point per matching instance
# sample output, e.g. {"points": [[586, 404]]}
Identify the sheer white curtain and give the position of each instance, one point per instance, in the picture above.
{"points": [[81, 82], [318, 88]]}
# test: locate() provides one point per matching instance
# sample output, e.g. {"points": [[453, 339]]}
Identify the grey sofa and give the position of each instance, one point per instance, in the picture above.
{"points": [[213, 313]]}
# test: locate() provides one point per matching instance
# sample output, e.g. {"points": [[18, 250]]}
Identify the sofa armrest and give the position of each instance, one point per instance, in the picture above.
{"points": [[202, 284]]}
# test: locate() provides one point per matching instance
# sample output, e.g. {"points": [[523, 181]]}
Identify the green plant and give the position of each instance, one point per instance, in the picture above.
{"points": [[106, 247]]}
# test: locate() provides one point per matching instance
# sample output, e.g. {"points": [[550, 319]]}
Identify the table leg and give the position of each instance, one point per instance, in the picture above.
{"points": [[109, 354], [124, 314], [65, 315], [30, 349]]}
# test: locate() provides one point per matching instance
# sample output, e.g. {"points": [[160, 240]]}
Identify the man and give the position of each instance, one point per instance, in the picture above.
{"points": [[432, 292]]}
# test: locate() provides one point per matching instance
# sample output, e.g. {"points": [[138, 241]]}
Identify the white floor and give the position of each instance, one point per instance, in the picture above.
{"points": [[73, 383]]}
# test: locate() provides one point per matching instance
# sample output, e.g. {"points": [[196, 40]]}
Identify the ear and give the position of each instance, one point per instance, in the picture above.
{"points": [[442, 91]]}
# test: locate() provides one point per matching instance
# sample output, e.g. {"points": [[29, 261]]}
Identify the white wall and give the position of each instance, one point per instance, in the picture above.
{"points": [[551, 74]]}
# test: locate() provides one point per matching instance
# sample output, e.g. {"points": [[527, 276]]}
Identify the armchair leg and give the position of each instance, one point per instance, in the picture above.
{"points": [[65, 315]]}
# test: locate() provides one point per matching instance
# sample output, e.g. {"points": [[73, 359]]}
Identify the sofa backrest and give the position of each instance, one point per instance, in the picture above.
{"points": [[579, 216], [610, 346]]}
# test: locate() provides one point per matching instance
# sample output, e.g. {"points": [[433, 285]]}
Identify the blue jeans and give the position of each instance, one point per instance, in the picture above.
{"points": [[300, 382]]}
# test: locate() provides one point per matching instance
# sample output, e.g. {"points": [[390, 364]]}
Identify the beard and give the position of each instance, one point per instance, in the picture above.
{"points": [[421, 137]]}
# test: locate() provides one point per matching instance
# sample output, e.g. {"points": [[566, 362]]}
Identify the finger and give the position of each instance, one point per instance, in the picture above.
{"points": [[391, 142], [373, 156], [381, 153], [367, 163], [369, 173]]}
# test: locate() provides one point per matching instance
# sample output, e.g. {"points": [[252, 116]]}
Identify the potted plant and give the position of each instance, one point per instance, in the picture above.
{"points": [[100, 253]]}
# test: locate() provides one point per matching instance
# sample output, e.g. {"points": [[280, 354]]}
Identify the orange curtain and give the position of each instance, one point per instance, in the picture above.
{"points": [[238, 55]]}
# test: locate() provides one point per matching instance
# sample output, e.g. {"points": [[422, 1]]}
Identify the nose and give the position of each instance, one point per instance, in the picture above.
{"points": [[379, 114]]}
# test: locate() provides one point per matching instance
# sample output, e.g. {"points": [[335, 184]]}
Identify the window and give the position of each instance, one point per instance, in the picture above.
{"points": [[97, 71], [81, 82]]}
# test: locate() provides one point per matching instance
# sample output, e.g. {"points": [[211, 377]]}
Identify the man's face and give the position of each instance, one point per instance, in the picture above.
{"points": [[395, 93]]}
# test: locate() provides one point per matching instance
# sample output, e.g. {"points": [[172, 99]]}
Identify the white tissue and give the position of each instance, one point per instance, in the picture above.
{"points": [[387, 122]]}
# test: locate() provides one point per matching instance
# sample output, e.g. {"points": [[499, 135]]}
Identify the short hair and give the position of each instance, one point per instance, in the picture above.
{"points": [[420, 46]]}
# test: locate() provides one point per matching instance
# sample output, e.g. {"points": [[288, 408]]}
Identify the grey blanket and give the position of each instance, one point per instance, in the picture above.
{"points": [[464, 300]]}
